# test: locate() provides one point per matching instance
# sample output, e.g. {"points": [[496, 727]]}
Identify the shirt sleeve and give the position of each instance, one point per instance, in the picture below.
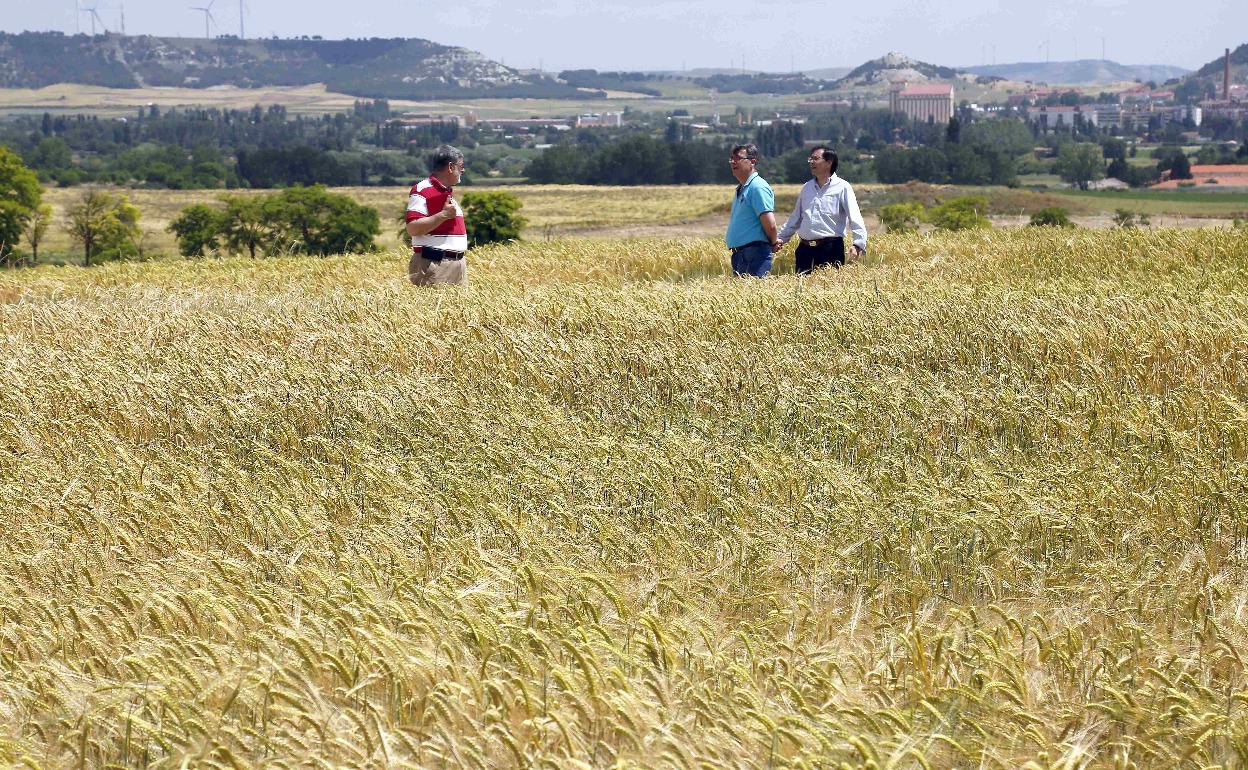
{"points": [[417, 206], [856, 223]]}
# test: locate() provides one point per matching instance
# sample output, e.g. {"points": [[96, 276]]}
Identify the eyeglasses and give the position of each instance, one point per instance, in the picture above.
{"points": [[813, 159], [735, 158]]}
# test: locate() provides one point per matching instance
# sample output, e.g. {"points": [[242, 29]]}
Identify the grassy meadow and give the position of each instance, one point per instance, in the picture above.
{"points": [[978, 502]]}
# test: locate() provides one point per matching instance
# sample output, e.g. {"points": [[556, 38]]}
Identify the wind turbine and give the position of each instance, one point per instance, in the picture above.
{"points": [[241, 10], [94, 18], [207, 9]]}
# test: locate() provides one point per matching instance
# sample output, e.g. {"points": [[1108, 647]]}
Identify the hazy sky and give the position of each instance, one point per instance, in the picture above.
{"points": [[660, 34]]}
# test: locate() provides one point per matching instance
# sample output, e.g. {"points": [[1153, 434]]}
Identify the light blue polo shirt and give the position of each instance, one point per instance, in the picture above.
{"points": [[753, 199]]}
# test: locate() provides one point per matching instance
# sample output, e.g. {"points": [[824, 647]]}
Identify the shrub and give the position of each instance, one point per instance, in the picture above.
{"points": [[491, 217], [1126, 219], [901, 217], [965, 213], [1054, 216]]}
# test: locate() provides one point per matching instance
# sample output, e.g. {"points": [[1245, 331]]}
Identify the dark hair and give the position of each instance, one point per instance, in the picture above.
{"points": [[444, 156], [751, 151], [828, 154]]}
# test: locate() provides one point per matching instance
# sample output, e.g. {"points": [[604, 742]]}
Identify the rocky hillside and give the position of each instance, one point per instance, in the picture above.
{"points": [[894, 67], [390, 68]]}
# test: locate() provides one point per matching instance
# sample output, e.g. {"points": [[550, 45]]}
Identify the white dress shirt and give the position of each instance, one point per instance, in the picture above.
{"points": [[824, 212]]}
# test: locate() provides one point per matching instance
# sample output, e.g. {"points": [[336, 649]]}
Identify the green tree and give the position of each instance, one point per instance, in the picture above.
{"points": [[1080, 163], [1005, 135], [953, 131], [491, 217], [312, 220], [1114, 148], [1054, 216], [198, 229], [20, 195], [106, 225], [634, 160], [901, 217], [1181, 168], [965, 213], [37, 228], [243, 224], [892, 165], [561, 164], [966, 166]]}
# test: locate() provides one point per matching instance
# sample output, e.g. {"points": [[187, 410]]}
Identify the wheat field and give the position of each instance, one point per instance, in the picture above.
{"points": [[979, 502]]}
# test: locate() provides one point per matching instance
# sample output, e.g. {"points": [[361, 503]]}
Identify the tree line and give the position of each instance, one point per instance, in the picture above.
{"points": [[213, 148]]}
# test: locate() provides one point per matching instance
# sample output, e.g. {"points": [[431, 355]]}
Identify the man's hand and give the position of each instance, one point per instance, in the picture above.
{"points": [[855, 253], [777, 246], [450, 209]]}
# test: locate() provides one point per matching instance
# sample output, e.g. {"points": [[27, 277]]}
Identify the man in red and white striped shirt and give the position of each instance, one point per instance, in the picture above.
{"points": [[436, 223]]}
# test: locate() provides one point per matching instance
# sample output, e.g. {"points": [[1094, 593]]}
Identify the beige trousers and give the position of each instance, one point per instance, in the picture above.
{"points": [[424, 272]]}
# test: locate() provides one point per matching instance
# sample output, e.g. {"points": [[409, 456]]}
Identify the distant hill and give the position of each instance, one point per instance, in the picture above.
{"points": [[1206, 82], [399, 68], [893, 67], [827, 73], [1239, 60], [1083, 71]]}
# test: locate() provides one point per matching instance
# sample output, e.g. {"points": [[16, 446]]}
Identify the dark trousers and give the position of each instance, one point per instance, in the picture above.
{"points": [[830, 252], [752, 259]]}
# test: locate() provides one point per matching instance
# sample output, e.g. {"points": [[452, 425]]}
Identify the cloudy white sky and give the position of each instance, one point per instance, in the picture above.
{"points": [[664, 34]]}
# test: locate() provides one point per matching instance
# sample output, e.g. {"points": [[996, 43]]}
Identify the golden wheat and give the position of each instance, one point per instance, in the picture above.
{"points": [[978, 502]]}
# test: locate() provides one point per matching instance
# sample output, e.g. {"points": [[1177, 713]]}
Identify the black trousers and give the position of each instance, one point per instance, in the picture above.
{"points": [[830, 252]]}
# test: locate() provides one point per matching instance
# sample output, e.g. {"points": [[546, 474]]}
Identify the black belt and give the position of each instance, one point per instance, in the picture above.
{"points": [[437, 255], [735, 249], [820, 241]]}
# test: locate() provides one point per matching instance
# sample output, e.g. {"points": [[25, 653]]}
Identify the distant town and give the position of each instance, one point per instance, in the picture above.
{"points": [[892, 119]]}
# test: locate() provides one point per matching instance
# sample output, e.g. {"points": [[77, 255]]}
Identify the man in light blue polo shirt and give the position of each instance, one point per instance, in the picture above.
{"points": [[751, 233]]}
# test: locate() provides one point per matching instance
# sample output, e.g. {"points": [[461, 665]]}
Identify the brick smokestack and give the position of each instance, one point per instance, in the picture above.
{"points": [[1226, 77]]}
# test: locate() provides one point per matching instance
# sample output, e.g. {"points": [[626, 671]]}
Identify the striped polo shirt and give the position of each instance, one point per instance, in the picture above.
{"points": [[429, 197]]}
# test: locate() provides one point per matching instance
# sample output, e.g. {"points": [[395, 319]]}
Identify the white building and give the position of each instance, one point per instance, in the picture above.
{"points": [[1062, 116]]}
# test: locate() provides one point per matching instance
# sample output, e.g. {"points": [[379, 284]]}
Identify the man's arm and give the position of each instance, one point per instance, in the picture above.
{"points": [[763, 201], [426, 225], [768, 221], [856, 224], [790, 226]]}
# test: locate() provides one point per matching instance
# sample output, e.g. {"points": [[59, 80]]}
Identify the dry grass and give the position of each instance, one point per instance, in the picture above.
{"points": [[550, 209], [972, 504]]}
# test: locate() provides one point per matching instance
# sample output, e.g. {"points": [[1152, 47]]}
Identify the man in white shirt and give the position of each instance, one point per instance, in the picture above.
{"points": [[825, 208]]}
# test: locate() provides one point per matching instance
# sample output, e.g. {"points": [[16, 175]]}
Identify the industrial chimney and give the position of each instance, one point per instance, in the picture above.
{"points": [[1226, 77]]}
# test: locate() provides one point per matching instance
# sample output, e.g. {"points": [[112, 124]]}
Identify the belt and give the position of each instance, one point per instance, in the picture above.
{"points": [[820, 241], [437, 255], [735, 249]]}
